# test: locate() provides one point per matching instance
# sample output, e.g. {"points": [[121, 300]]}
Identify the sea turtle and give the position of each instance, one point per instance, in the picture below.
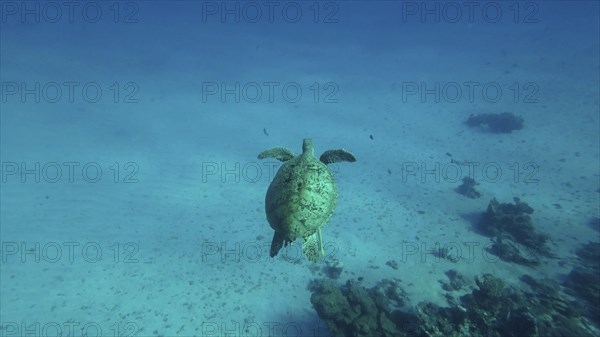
{"points": [[301, 197]]}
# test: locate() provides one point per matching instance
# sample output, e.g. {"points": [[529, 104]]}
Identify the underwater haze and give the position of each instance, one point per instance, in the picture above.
{"points": [[300, 168]]}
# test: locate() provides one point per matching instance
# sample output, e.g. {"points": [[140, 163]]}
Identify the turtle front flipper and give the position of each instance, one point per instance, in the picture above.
{"points": [[312, 247], [338, 155], [280, 153], [279, 241]]}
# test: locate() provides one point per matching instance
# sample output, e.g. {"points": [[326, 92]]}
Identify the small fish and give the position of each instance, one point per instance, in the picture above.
{"points": [[371, 136], [389, 171], [265, 131]]}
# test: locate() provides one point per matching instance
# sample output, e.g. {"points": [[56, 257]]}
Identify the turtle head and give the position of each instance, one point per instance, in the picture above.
{"points": [[307, 146]]}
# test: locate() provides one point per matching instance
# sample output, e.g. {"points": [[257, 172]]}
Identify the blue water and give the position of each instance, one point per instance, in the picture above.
{"points": [[132, 199]]}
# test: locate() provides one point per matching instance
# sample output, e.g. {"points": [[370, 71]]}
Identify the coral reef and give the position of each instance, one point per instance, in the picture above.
{"points": [[505, 122], [352, 310], [584, 279], [467, 188], [494, 309], [333, 268], [514, 237], [510, 251], [457, 281]]}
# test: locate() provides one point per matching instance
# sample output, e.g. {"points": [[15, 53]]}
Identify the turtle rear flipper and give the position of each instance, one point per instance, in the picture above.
{"points": [[312, 247], [280, 153], [279, 241], [334, 156]]}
